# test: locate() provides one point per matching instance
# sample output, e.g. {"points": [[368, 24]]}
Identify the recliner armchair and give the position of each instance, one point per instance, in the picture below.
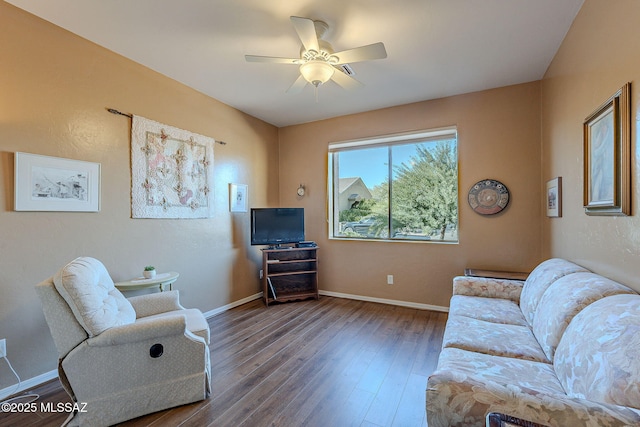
{"points": [[123, 358]]}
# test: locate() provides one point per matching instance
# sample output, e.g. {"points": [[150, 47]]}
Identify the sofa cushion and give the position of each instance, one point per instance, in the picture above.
{"points": [[494, 310], [540, 279], [597, 358], [565, 298], [488, 287], [492, 338], [86, 286], [467, 385], [505, 370]]}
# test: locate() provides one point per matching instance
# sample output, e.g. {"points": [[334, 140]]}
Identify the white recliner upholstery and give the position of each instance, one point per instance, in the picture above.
{"points": [[123, 358]]}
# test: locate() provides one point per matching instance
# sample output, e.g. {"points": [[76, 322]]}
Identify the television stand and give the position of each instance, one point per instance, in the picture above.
{"points": [[279, 246], [289, 274]]}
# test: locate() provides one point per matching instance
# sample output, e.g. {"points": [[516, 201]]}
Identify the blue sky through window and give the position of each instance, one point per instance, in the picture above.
{"points": [[371, 164]]}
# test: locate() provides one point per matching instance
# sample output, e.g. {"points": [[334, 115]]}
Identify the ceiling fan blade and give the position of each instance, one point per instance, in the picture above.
{"points": [[272, 59], [306, 31], [345, 81], [298, 85], [362, 53]]}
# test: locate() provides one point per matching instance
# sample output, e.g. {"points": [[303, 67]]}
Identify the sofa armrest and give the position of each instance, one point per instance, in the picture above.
{"points": [[160, 302], [488, 287], [141, 330]]}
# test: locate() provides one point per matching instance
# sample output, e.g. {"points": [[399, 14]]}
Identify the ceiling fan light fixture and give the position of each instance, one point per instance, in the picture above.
{"points": [[317, 72], [318, 60]]}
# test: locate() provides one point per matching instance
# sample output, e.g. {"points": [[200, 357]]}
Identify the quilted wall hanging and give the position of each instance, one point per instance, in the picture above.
{"points": [[172, 172]]}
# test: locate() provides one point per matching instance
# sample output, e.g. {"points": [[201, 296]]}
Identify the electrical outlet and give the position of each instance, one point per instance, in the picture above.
{"points": [[390, 279], [3, 348]]}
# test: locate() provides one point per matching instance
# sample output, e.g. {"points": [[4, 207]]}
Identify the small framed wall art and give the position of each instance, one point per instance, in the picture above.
{"points": [[44, 183], [607, 156], [238, 197], [554, 197]]}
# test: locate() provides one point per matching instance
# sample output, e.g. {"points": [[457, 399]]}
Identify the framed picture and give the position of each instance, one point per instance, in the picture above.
{"points": [[238, 197], [45, 183], [554, 197], [607, 156]]}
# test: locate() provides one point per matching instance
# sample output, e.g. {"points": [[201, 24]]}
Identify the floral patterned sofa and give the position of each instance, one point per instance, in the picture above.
{"points": [[559, 349]]}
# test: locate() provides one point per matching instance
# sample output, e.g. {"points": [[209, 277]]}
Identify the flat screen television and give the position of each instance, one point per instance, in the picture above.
{"points": [[276, 226]]}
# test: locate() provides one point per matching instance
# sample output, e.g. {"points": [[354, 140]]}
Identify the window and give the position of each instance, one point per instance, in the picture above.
{"points": [[395, 187]]}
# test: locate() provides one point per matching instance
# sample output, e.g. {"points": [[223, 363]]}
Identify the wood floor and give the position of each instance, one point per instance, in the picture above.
{"points": [[332, 362]]}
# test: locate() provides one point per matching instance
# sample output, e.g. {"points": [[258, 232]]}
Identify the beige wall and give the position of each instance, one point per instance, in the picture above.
{"points": [[54, 91], [598, 56], [498, 137]]}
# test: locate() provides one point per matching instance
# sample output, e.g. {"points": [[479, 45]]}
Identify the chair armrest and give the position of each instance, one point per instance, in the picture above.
{"points": [[160, 302], [141, 330], [488, 287]]}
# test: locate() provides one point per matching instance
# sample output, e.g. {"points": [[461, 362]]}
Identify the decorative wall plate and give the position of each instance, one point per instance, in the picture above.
{"points": [[488, 197]]}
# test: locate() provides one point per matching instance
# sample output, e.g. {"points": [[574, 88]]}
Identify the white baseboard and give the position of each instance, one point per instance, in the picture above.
{"points": [[48, 376], [386, 301], [224, 308], [408, 304], [27, 384]]}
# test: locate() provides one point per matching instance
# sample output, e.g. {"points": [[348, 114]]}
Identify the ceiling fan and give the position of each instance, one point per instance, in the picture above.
{"points": [[318, 62]]}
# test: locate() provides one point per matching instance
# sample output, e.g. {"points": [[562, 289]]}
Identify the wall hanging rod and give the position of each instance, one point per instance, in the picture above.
{"points": [[114, 111]]}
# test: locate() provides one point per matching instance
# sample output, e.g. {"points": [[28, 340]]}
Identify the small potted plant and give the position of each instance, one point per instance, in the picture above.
{"points": [[149, 272]]}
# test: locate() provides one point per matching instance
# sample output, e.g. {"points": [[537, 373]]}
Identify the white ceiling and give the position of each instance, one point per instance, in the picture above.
{"points": [[436, 48]]}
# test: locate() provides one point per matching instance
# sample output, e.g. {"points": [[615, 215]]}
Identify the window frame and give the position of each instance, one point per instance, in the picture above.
{"points": [[389, 140]]}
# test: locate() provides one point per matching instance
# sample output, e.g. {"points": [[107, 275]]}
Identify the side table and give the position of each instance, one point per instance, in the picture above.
{"points": [[513, 275], [161, 280]]}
